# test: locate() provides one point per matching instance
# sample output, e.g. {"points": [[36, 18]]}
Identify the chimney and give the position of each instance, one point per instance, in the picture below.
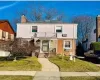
{"points": [[23, 19]]}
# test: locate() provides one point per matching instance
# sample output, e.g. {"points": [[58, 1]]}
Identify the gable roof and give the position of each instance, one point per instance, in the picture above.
{"points": [[4, 25]]}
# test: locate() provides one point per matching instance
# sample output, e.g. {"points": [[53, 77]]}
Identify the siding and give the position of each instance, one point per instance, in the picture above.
{"points": [[25, 30]]}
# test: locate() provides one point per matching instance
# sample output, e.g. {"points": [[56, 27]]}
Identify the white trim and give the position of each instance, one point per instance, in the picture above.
{"points": [[58, 26], [41, 46], [56, 45]]}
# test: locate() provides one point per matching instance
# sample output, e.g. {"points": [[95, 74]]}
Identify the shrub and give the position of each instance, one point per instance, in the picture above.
{"points": [[95, 46]]}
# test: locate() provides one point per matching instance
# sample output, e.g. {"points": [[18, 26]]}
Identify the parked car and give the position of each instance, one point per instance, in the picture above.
{"points": [[94, 51], [92, 54]]}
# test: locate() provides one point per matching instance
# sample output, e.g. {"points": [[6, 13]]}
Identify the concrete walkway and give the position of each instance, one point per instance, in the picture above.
{"points": [[47, 65], [49, 71]]}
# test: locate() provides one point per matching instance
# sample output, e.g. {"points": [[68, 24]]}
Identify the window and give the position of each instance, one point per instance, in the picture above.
{"points": [[9, 36], [58, 28], [3, 34], [34, 28], [94, 30], [67, 44]]}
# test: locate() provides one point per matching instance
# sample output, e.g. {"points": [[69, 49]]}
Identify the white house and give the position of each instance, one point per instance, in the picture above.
{"points": [[57, 36]]}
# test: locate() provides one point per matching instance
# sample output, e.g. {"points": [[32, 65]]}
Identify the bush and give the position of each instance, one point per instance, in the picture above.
{"points": [[95, 46]]}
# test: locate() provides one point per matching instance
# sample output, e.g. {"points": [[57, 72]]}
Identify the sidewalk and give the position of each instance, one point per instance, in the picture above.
{"points": [[49, 71]]}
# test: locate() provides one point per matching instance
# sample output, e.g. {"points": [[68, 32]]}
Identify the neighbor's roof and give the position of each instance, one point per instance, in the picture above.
{"points": [[4, 24]]}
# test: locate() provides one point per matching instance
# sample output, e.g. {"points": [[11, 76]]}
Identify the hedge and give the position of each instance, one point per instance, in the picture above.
{"points": [[96, 46]]}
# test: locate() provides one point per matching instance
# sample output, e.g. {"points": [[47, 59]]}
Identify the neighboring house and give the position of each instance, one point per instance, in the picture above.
{"points": [[6, 31], [94, 35], [6, 37], [53, 36]]}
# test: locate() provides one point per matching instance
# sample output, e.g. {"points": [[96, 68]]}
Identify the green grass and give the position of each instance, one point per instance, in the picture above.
{"points": [[71, 66], [16, 77], [30, 63], [80, 78]]}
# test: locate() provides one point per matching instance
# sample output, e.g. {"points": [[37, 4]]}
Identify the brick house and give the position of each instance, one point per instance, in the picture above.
{"points": [[6, 31]]}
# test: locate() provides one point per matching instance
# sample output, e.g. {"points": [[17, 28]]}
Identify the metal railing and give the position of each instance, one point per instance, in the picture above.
{"points": [[45, 35]]}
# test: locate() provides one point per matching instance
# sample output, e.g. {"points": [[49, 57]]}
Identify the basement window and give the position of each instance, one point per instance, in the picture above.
{"points": [[34, 28]]}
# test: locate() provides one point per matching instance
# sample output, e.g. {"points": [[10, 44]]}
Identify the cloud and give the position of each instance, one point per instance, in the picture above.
{"points": [[7, 6]]}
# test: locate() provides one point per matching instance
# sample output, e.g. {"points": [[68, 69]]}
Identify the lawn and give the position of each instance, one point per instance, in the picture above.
{"points": [[66, 65], [30, 63], [16, 77], [80, 78]]}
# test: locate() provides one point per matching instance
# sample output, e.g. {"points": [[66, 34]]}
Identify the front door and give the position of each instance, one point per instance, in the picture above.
{"points": [[45, 45]]}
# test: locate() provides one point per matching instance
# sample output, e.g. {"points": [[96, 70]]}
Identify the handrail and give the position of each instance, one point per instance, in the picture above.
{"points": [[45, 34]]}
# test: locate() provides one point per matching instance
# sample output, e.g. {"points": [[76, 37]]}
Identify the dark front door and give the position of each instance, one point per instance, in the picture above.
{"points": [[45, 45]]}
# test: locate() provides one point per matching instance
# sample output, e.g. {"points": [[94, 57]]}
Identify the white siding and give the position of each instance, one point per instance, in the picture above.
{"points": [[24, 30]]}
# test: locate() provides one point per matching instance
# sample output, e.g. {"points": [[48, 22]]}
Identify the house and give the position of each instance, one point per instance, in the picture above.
{"points": [[54, 36], [6, 37], [94, 35], [6, 31]]}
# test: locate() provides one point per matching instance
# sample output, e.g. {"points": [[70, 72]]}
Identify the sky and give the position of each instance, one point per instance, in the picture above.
{"points": [[9, 9]]}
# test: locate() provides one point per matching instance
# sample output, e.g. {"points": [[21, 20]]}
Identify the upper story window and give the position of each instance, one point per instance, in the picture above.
{"points": [[3, 34], [67, 44], [34, 28], [58, 29]]}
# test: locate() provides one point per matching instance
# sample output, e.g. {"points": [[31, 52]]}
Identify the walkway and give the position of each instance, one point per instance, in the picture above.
{"points": [[49, 71], [47, 65]]}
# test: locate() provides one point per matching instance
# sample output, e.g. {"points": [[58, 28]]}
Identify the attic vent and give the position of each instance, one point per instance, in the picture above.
{"points": [[64, 35]]}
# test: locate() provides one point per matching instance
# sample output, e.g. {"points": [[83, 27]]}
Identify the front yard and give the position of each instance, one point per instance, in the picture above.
{"points": [[26, 64], [80, 78], [16, 77], [66, 65]]}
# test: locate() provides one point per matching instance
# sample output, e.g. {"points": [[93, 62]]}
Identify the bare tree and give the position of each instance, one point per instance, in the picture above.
{"points": [[50, 13], [85, 26], [39, 13], [60, 17], [36, 13]]}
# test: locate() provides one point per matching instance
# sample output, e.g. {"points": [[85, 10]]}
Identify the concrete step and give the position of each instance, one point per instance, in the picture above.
{"points": [[41, 55]]}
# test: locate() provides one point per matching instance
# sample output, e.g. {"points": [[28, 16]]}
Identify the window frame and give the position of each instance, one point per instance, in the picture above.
{"points": [[32, 29], [9, 36], [69, 43], [56, 29], [3, 34]]}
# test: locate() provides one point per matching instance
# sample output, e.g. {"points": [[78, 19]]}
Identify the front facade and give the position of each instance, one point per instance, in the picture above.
{"points": [[54, 37], [6, 31]]}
